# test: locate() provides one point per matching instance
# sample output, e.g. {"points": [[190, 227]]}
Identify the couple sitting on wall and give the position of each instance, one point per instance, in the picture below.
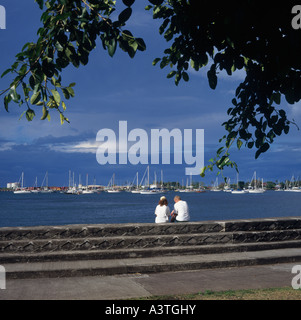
{"points": [[179, 214]]}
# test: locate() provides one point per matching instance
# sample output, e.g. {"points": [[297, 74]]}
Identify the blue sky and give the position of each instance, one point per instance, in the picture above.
{"points": [[109, 90]]}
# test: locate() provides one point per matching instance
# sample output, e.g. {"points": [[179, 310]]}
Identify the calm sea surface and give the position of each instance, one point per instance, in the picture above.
{"points": [[124, 207]]}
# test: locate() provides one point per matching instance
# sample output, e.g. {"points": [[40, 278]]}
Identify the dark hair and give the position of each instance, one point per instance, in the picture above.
{"points": [[163, 202]]}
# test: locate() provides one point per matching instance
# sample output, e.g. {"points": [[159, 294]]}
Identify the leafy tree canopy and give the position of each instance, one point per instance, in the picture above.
{"points": [[229, 35]]}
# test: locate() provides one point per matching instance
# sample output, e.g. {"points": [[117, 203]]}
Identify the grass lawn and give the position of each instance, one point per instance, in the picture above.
{"points": [[287, 293]]}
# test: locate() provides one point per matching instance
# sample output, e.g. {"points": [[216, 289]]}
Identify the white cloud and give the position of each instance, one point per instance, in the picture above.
{"points": [[6, 146], [77, 147]]}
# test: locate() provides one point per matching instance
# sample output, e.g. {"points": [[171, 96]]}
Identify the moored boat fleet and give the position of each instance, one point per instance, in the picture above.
{"points": [[143, 187]]}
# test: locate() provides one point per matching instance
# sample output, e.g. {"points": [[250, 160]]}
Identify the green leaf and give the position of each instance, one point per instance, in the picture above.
{"points": [[59, 47], [30, 114], [156, 2], [282, 113], [264, 148], [66, 93], [133, 44], [141, 44], [5, 72], [223, 162], [32, 82], [220, 150], [239, 144], [14, 95], [62, 118], [71, 91], [45, 113], [178, 78], [156, 61], [277, 97], [35, 98], [40, 3], [203, 172], [56, 97], [251, 144], [128, 2], [112, 47], [125, 15], [185, 76], [7, 100], [25, 90], [290, 96], [23, 69], [211, 74], [171, 74], [22, 114], [84, 58]]}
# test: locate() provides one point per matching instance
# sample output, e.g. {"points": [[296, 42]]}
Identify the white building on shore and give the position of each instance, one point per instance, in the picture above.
{"points": [[13, 185]]}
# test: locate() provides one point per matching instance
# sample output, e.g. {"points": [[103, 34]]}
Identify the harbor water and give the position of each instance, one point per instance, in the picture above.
{"points": [[124, 207]]}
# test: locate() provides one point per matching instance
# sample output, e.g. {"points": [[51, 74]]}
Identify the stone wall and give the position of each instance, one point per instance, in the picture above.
{"points": [[89, 250], [135, 236]]}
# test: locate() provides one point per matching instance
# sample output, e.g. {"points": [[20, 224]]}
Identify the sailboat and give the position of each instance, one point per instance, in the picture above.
{"points": [[22, 190], [46, 189], [238, 191], [189, 188], [72, 189], [255, 189], [296, 188], [137, 186], [35, 187], [227, 186], [148, 190], [292, 186], [215, 186], [162, 183], [86, 190], [112, 189], [182, 187], [154, 188]]}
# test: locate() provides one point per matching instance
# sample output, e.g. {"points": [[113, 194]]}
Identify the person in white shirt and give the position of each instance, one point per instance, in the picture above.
{"points": [[181, 210], [162, 211]]}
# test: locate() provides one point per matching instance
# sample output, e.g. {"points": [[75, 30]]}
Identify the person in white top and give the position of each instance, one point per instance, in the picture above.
{"points": [[162, 211], [181, 210]]}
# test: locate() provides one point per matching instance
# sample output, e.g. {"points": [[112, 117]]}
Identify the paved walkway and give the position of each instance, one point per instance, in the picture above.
{"points": [[145, 285]]}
